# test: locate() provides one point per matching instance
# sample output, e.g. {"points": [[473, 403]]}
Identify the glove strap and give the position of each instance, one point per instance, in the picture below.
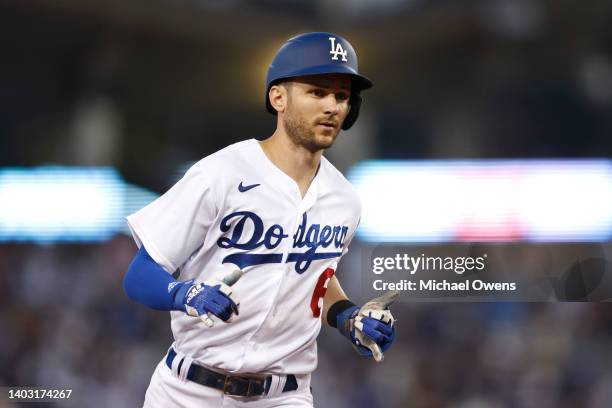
{"points": [[178, 293], [336, 309], [344, 315]]}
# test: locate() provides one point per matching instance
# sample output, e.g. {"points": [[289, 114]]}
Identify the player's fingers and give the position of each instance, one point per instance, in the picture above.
{"points": [[225, 308], [366, 328], [229, 294], [376, 353], [236, 308], [223, 288], [377, 325], [227, 303], [207, 320], [389, 298], [370, 329], [218, 306], [234, 302], [374, 348], [232, 277], [384, 301], [232, 310], [192, 311], [382, 315], [224, 312], [358, 323]]}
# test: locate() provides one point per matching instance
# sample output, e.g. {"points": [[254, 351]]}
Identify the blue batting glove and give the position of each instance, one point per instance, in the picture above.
{"points": [[370, 327], [205, 299]]}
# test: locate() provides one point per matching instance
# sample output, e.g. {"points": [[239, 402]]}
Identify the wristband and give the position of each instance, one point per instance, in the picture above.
{"points": [[337, 308]]}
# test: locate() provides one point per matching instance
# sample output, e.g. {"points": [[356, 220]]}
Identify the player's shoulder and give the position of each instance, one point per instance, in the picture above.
{"points": [[338, 182], [222, 161]]}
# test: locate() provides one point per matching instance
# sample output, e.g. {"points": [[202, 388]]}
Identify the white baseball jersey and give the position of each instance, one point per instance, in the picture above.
{"points": [[236, 209]]}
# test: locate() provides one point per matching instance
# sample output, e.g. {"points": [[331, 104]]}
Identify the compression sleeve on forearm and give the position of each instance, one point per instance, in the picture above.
{"points": [[146, 282]]}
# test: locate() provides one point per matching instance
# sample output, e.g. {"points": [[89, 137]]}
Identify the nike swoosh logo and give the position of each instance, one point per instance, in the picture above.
{"points": [[243, 189]]}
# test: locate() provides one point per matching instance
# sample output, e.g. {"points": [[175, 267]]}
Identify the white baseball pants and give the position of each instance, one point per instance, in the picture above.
{"points": [[166, 390]]}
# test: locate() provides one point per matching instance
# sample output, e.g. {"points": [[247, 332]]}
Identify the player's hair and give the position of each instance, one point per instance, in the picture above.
{"points": [[287, 84]]}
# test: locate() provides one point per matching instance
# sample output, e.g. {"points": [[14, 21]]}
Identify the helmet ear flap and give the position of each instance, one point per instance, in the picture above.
{"points": [[355, 102]]}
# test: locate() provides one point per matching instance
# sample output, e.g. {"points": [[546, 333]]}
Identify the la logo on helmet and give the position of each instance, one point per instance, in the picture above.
{"points": [[336, 49]]}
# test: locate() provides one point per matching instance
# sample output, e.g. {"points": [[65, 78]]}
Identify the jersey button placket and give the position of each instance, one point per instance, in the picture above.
{"points": [[268, 318]]}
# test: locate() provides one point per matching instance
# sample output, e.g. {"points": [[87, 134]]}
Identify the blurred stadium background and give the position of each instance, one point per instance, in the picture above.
{"points": [[105, 103]]}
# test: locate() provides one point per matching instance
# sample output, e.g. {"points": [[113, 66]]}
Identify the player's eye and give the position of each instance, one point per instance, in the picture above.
{"points": [[342, 96], [318, 93]]}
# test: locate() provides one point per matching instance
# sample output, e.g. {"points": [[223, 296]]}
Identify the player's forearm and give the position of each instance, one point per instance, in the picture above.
{"points": [[146, 282], [334, 299]]}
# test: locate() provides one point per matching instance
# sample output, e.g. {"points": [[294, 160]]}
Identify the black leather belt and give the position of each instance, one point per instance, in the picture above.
{"points": [[235, 385]]}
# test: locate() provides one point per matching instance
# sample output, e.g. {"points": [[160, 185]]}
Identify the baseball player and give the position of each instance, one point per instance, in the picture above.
{"points": [[254, 233]]}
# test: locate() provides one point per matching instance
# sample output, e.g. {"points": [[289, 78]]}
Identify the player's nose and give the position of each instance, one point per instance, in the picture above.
{"points": [[332, 104]]}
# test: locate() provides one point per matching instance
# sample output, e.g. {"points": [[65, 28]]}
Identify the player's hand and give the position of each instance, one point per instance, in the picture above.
{"points": [[213, 297], [370, 327]]}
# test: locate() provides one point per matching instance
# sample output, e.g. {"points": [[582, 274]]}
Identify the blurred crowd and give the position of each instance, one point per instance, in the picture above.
{"points": [[66, 323], [89, 85]]}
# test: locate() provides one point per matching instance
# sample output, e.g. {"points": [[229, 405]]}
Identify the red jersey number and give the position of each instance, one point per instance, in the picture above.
{"points": [[319, 292]]}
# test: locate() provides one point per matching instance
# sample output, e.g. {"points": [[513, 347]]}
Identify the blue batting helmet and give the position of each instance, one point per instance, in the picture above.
{"points": [[317, 54]]}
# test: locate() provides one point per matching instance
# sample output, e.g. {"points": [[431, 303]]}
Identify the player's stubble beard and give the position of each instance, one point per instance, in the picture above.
{"points": [[302, 134]]}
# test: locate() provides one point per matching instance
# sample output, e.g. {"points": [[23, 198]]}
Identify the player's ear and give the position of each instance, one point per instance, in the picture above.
{"points": [[278, 97]]}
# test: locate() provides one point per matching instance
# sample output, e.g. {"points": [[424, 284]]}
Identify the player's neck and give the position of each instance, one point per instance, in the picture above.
{"points": [[297, 162]]}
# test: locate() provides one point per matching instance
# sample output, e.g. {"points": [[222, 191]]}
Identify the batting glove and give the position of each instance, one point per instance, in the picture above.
{"points": [[213, 297], [370, 327]]}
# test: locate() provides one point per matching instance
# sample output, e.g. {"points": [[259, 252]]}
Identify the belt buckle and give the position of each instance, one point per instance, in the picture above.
{"points": [[231, 386], [262, 384], [226, 385]]}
